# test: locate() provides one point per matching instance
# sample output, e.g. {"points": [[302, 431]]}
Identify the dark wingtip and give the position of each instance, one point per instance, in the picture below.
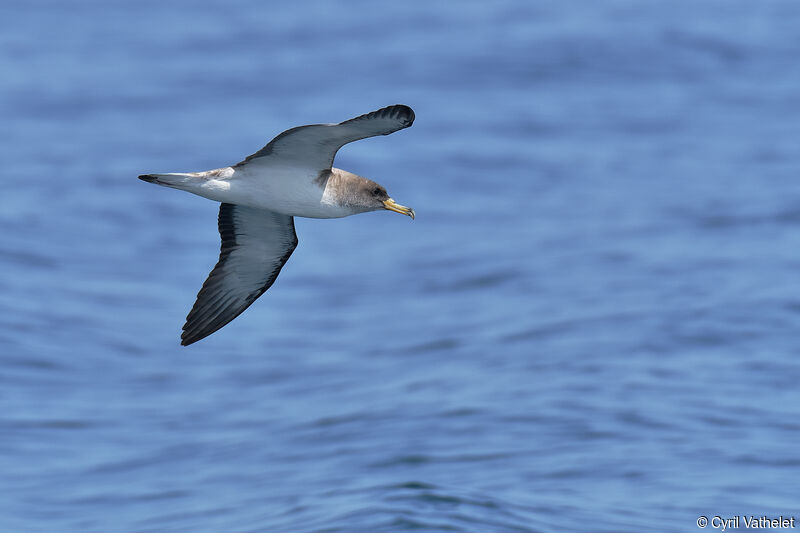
{"points": [[404, 112], [149, 178], [187, 339]]}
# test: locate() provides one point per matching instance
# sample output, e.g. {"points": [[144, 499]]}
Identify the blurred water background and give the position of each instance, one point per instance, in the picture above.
{"points": [[591, 326]]}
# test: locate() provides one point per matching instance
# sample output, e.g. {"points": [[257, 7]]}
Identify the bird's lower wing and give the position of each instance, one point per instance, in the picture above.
{"points": [[315, 146], [256, 243]]}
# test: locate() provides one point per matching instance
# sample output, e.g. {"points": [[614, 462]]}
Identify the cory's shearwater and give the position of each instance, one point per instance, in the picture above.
{"points": [[291, 176]]}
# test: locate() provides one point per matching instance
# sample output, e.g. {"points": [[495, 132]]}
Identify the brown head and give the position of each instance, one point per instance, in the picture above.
{"points": [[360, 194]]}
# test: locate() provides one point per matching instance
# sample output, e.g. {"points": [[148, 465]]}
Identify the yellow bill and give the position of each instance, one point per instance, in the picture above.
{"points": [[391, 205]]}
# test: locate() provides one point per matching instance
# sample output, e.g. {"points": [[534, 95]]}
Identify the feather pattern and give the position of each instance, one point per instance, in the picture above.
{"points": [[256, 243], [314, 147]]}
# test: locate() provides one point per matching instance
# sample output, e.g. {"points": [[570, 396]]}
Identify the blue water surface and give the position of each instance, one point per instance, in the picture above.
{"points": [[591, 326]]}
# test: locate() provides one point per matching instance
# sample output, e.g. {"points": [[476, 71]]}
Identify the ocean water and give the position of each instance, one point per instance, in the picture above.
{"points": [[590, 326]]}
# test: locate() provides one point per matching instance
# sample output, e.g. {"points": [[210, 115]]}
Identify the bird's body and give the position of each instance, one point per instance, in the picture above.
{"points": [[291, 176], [287, 190]]}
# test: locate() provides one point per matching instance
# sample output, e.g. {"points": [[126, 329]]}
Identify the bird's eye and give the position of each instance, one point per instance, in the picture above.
{"points": [[376, 191]]}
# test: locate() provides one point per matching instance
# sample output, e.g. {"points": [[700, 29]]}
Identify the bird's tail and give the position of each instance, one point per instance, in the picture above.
{"points": [[176, 180]]}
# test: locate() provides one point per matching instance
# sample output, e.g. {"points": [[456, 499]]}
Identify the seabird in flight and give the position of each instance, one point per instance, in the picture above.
{"points": [[292, 176]]}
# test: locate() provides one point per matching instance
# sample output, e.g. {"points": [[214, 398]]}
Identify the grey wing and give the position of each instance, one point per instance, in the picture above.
{"points": [[256, 243], [315, 146]]}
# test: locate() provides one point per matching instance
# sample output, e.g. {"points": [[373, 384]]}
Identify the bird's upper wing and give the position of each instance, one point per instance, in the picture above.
{"points": [[315, 146], [256, 243]]}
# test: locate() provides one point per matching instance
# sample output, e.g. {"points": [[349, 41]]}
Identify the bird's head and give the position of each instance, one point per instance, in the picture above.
{"points": [[362, 194], [379, 199]]}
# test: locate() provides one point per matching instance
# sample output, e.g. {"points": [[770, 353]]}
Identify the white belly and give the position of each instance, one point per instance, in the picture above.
{"points": [[282, 190]]}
